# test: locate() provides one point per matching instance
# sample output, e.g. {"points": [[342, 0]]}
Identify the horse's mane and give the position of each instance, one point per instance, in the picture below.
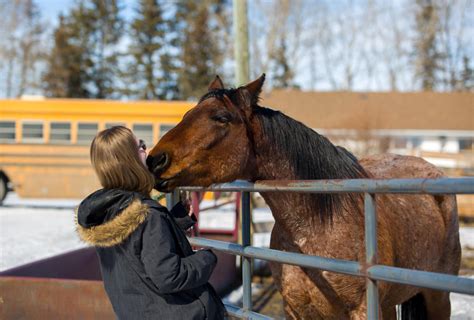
{"points": [[219, 94], [313, 157]]}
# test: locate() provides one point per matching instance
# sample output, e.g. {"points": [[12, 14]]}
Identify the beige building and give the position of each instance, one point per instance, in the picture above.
{"points": [[436, 126]]}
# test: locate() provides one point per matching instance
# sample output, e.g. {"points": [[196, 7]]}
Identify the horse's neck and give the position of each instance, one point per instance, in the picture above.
{"points": [[290, 210], [296, 213]]}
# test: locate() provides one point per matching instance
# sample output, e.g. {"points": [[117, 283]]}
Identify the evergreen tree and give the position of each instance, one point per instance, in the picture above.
{"points": [[66, 75], [84, 60], [152, 67], [427, 55], [169, 77], [282, 73], [201, 56], [106, 29], [466, 81]]}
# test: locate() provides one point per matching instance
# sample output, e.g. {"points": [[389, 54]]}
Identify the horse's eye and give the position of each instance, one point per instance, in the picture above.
{"points": [[222, 118]]}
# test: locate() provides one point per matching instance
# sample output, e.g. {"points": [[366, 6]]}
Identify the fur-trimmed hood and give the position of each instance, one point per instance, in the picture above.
{"points": [[108, 216]]}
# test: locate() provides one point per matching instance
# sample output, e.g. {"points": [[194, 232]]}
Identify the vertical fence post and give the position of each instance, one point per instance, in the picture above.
{"points": [[246, 262], [172, 198], [371, 255]]}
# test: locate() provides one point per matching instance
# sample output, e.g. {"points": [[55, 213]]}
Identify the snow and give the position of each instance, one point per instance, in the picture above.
{"points": [[222, 218], [13, 201], [32, 229], [466, 235], [462, 306]]}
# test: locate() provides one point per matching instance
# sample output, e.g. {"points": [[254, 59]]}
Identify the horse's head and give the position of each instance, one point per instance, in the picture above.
{"points": [[212, 143]]}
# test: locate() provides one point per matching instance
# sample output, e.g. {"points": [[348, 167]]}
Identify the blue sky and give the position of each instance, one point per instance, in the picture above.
{"points": [[50, 9]]}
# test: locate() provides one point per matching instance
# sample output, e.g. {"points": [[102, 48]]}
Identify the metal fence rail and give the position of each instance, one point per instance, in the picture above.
{"points": [[373, 272]]}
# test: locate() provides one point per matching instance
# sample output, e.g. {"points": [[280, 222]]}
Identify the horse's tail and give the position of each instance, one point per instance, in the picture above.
{"points": [[414, 308]]}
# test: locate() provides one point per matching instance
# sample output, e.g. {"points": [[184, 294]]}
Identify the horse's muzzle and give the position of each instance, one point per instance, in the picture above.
{"points": [[162, 185], [158, 164]]}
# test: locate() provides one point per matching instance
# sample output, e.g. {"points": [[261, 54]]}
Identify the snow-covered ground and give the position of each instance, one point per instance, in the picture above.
{"points": [[32, 229], [35, 229]]}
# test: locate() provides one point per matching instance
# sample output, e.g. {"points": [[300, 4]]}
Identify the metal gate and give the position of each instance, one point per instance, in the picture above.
{"points": [[370, 269]]}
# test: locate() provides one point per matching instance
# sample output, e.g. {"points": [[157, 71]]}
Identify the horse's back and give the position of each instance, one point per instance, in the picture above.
{"points": [[433, 216], [393, 166]]}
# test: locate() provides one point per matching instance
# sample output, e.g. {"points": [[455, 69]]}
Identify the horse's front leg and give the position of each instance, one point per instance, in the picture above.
{"points": [[360, 313], [277, 268], [301, 296]]}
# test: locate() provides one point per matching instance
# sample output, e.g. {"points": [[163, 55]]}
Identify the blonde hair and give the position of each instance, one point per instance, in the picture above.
{"points": [[115, 159]]}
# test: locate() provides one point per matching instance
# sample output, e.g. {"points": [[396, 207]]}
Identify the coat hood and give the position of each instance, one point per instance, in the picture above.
{"points": [[108, 216]]}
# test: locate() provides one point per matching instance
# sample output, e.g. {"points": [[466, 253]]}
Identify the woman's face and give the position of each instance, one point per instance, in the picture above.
{"points": [[141, 150]]}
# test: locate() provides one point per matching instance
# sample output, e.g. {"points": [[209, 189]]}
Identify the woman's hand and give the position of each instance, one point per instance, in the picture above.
{"points": [[187, 203]]}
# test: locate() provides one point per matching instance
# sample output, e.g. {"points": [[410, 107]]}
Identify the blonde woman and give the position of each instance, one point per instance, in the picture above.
{"points": [[148, 266]]}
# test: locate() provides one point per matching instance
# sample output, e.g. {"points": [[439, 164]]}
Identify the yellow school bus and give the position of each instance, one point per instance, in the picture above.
{"points": [[44, 143]]}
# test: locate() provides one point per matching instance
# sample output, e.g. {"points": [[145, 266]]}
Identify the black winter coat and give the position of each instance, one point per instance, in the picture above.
{"points": [[148, 266]]}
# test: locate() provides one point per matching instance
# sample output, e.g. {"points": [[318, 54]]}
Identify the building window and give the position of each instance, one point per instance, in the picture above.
{"points": [[86, 132], [416, 142], [465, 144], [400, 143], [164, 128], [144, 132], [7, 131], [60, 132], [32, 132], [114, 124]]}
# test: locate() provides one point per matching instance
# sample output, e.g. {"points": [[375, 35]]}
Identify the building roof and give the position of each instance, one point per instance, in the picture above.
{"points": [[367, 111]]}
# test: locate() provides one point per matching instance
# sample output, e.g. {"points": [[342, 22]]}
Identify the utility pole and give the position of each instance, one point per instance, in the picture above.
{"points": [[241, 43], [241, 55]]}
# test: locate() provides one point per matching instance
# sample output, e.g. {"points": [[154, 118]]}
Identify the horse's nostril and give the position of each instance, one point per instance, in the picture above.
{"points": [[149, 162], [160, 162]]}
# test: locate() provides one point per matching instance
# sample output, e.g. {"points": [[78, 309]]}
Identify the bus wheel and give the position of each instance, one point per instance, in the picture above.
{"points": [[3, 187]]}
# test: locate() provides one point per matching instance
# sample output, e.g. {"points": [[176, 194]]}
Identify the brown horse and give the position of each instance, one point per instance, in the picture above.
{"points": [[228, 136]]}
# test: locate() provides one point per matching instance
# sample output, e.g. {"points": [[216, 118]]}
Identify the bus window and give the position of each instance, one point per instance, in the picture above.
{"points": [[60, 132], [114, 124], [32, 132], [145, 132], [86, 132], [164, 128], [7, 131]]}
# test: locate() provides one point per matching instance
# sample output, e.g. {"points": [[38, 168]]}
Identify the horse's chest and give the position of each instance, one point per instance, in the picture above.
{"points": [[312, 288]]}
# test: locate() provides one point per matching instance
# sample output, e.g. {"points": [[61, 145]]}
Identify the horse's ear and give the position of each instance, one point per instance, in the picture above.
{"points": [[251, 91], [216, 84]]}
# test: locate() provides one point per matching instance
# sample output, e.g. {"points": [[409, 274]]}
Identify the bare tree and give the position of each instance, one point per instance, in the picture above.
{"points": [[455, 43], [318, 41], [10, 11], [30, 46], [365, 45], [21, 47], [336, 36], [275, 38], [428, 57], [391, 40], [395, 55]]}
